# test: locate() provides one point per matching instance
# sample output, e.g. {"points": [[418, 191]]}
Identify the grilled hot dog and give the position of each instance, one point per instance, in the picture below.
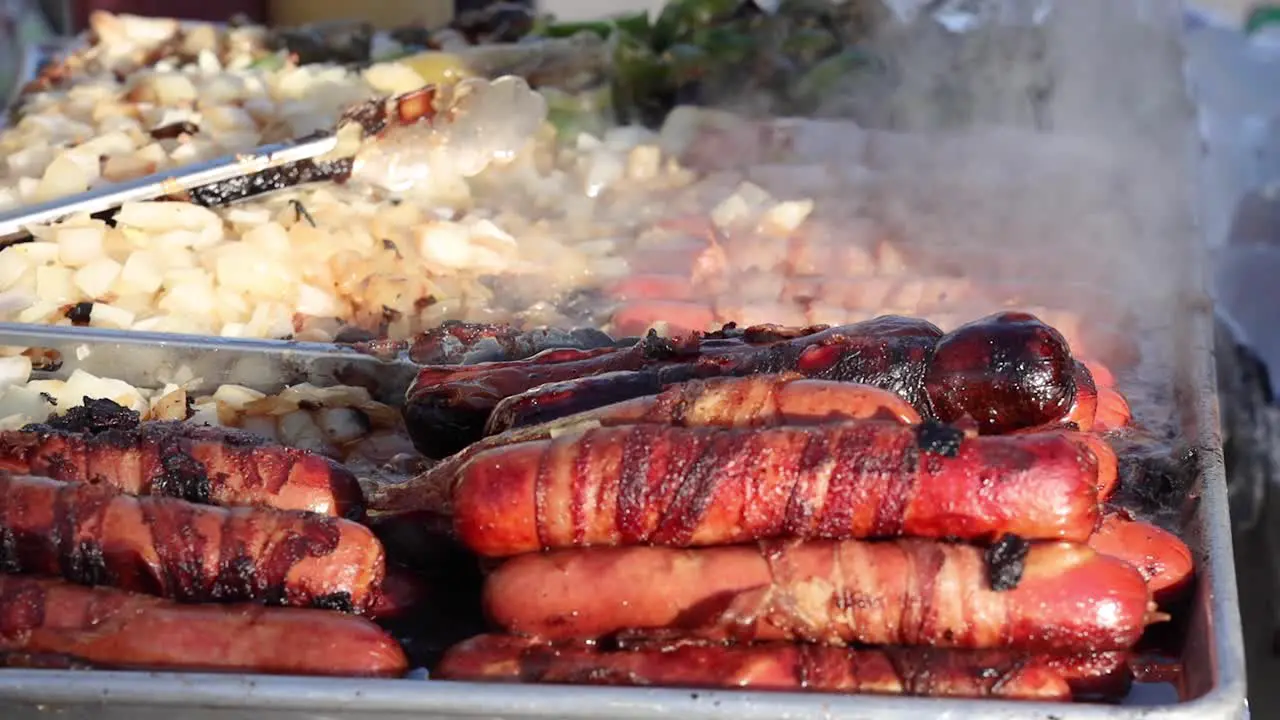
{"points": [[192, 462], [1067, 599], [770, 666], [93, 535], [1163, 559], [709, 486], [110, 628]]}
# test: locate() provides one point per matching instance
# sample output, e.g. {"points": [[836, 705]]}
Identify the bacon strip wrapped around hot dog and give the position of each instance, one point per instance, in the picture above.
{"points": [[753, 401], [1005, 372], [109, 628], [780, 666], [1057, 598], [94, 535], [691, 487], [192, 462]]}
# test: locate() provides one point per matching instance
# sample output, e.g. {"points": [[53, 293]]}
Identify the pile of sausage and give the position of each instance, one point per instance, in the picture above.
{"points": [[876, 508], [165, 545]]}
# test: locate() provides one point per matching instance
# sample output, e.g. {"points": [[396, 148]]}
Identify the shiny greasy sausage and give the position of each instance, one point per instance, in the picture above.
{"points": [[1162, 558], [709, 486], [110, 628], [192, 462], [1066, 598], [94, 535], [768, 666], [751, 401]]}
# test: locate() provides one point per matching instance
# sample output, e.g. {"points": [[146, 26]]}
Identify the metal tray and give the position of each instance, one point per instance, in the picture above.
{"points": [[1213, 656]]}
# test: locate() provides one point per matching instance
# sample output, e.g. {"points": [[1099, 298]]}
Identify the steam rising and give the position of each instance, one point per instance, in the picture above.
{"points": [[1026, 165]]}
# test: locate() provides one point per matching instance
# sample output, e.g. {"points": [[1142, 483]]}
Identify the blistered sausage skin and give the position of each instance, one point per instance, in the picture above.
{"points": [[197, 463], [1162, 558], [904, 592], [110, 628], [690, 487], [753, 401], [93, 535], [769, 666]]}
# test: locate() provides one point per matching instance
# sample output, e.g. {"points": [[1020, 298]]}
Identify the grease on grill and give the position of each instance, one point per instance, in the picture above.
{"points": [[939, 438], [95, 415], [79, 313], [1005, 562]]}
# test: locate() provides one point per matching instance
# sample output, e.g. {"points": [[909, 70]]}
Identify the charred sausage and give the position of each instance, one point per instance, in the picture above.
{"points": [[109, 628], [754, 401], [751, 401], [1005, 372], [192, 462], [691, 487], [769, 666], [93, 535], [1068, 598]]}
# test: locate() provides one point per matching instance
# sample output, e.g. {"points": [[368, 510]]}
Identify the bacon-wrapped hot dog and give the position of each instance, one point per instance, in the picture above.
{"points": [[1005, 372], [1067, 599], [767, 666], [93, 535], [753, 401], [192, 462], [109, 628], [709, 486], [1163, 559]]}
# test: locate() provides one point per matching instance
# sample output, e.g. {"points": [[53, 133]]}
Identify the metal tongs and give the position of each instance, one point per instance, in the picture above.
{"points": [[413, 132]]}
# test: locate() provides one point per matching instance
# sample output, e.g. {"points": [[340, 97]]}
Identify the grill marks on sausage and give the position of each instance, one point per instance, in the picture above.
{"points": [[980, 375], [199, 464], [706, 486]]}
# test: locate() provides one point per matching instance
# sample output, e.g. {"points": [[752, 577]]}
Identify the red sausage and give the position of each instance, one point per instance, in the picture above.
{"points": [[905, 592], [1163, 559], [93, 535], [114, 629], [769, 666], [192, 462], [690, 487]]}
